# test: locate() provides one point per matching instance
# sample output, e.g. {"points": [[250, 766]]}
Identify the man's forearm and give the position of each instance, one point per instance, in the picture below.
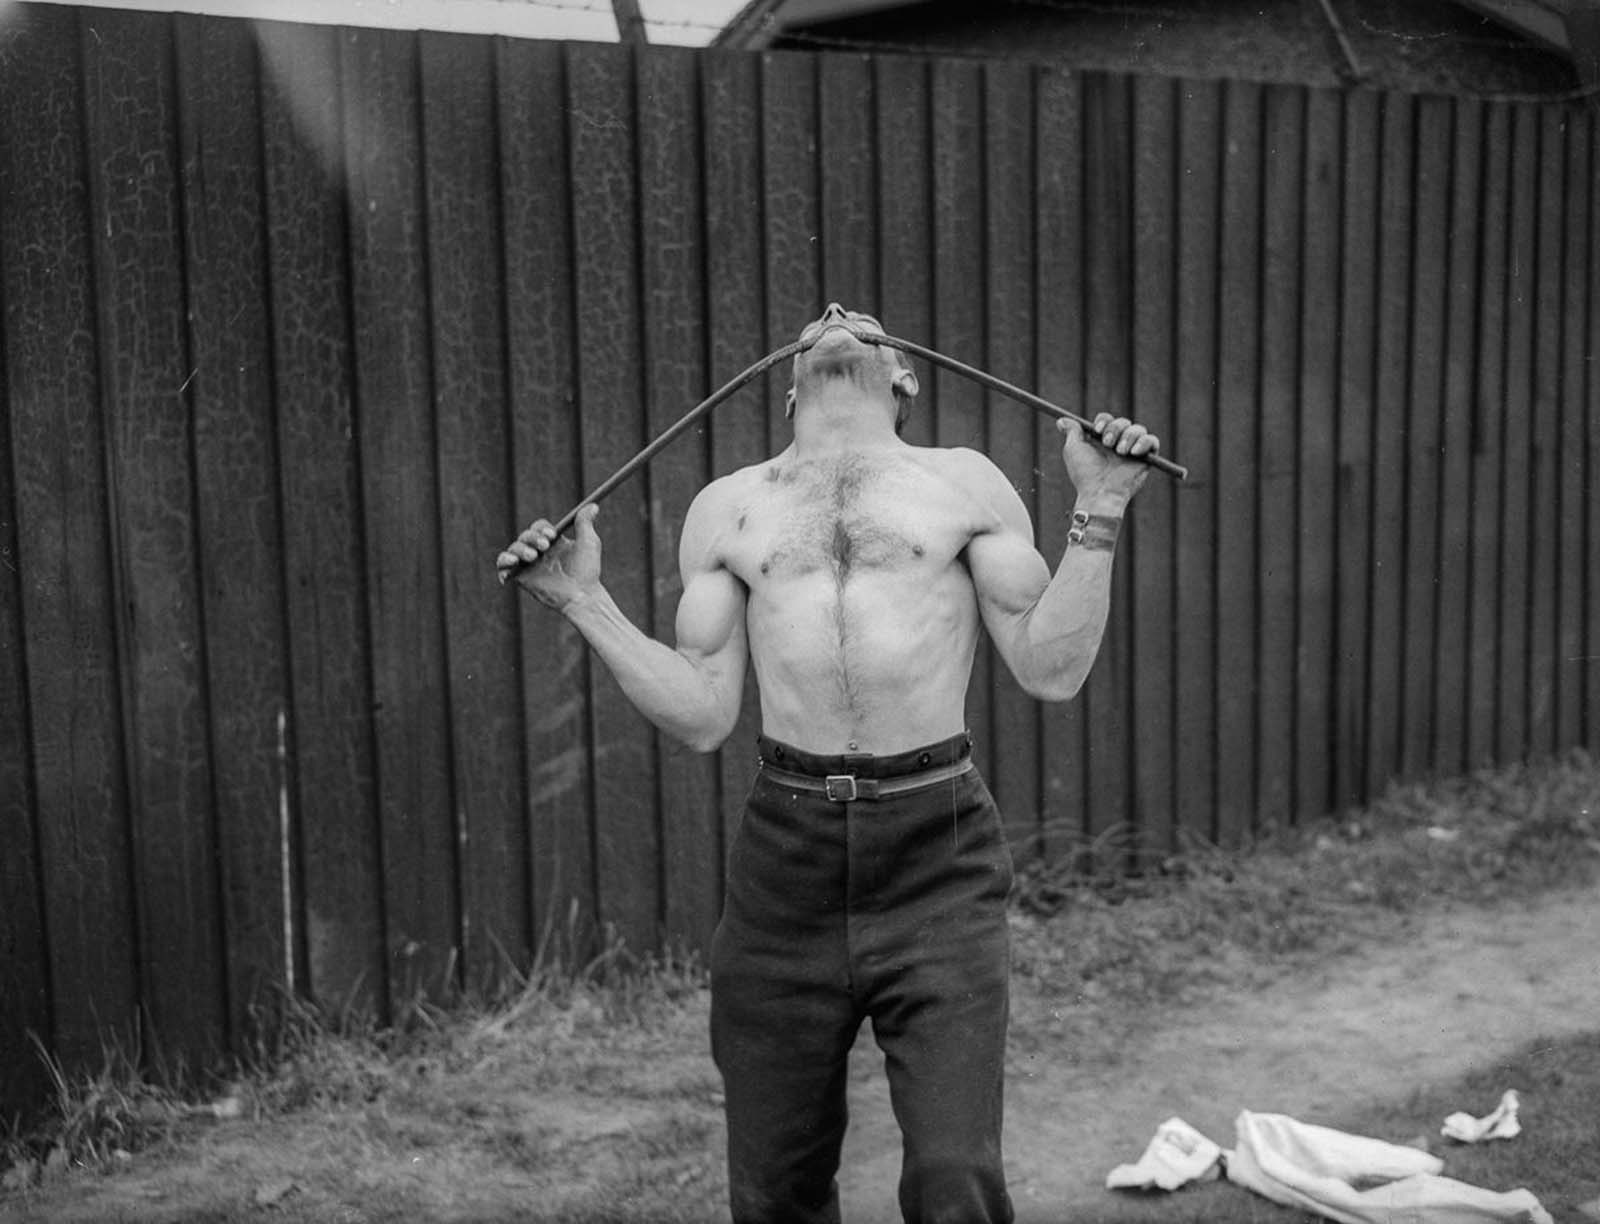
{"points": [[663, 685], [1063, 631]]}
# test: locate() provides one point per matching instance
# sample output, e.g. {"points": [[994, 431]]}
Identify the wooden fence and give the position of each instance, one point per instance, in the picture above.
{"points": [[300, 324]]}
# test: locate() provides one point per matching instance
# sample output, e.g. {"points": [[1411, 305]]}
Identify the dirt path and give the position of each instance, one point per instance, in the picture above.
{"points": [[1463, 989]]}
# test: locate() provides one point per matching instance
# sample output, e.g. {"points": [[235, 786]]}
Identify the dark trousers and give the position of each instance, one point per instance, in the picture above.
{"points": [[893, 910]]}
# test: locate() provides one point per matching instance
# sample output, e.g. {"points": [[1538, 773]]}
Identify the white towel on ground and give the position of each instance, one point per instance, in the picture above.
{"points": [[1356, 1180], [1177, 1155]]}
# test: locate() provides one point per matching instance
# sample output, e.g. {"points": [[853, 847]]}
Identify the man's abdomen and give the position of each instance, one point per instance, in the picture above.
{"points": [[878, 664]]}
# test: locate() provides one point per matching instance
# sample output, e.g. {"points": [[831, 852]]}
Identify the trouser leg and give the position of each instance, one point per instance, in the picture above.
{"points": [[938, 995], [943, 1040], [784, 1065], [782, 1015]]}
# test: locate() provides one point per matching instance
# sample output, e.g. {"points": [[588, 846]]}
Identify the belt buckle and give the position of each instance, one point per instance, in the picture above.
{"points": [[840, 788]]}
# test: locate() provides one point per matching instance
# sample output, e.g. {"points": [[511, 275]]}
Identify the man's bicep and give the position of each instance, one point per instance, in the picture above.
{"points": [[710, 619], [711, 625], [1008, 574], [1007, 571]]}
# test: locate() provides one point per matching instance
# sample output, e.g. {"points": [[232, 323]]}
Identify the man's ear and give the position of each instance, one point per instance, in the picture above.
{"points": [[905, 383], [788, 405]]}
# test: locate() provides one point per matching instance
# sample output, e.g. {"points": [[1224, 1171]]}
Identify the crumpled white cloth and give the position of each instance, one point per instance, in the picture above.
{"points": [[1177, 1155], [1501, 1124], [1356, 1180]]}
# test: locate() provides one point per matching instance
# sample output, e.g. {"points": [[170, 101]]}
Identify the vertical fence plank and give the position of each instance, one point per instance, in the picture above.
{"points": [[468, 328], [1515, 417], [1591, 644], [675, 378], [546, 454], [398, 444], [62, 558], [603, 131], [1384, 524], [1315, 595], [236, 487], [340, 919], [24, 970], [1483, 671], [1152, 522], [1424, 431], [1283, 125], [958, 311], [1452, 661], [845, 160], [1010, 305], [735, 315], [1195, 435], [1357, 324], [905, 217], [1058, 353], [1544, 434], [132, 112], [790, 187], [1238, 416], [1575, 358], [1108, 325]]}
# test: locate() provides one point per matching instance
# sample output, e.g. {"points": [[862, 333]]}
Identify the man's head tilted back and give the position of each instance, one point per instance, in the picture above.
{"points": [[897, 370]]}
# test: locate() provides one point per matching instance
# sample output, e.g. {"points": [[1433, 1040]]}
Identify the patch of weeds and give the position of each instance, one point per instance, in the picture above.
{"points": [[1087, 929], [560, 1023], [92, 1120], [312, 1061], [595, 1026]]}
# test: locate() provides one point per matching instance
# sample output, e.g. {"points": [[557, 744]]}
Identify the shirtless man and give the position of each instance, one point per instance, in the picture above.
{"points": [[870, 873]]}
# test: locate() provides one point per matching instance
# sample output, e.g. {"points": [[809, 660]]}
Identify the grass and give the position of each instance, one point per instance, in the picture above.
{"points": [[560, 1027], [1558, 1083], [1205, 918], [579, 1067], [93, 1119]]}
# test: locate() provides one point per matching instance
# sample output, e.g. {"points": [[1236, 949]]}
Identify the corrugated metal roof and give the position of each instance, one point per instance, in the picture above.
{"points": [[761, 21]]}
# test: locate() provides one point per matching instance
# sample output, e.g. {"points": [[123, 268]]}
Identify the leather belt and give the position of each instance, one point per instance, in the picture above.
{"points": [[847, 788]]}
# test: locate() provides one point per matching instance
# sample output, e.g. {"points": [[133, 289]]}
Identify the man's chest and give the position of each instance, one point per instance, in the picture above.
{"points": [[847, 516]]}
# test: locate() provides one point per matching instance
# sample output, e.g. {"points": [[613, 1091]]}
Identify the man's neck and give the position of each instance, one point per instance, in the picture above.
{"points": [[843, 419]]}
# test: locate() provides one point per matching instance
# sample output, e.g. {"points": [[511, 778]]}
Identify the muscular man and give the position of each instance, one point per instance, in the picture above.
{"points": [[870, 873]]}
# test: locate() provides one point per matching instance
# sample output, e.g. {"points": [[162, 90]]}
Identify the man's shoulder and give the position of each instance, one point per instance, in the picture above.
{"points": [[717, 500], [733, 485], [961, 464]]}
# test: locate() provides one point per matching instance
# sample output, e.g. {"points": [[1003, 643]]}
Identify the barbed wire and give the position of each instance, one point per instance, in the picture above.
{"points": [[1509, 42]]}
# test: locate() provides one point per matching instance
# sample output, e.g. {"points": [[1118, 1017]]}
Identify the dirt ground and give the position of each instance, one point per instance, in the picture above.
{"points": [[1461, 988]]}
